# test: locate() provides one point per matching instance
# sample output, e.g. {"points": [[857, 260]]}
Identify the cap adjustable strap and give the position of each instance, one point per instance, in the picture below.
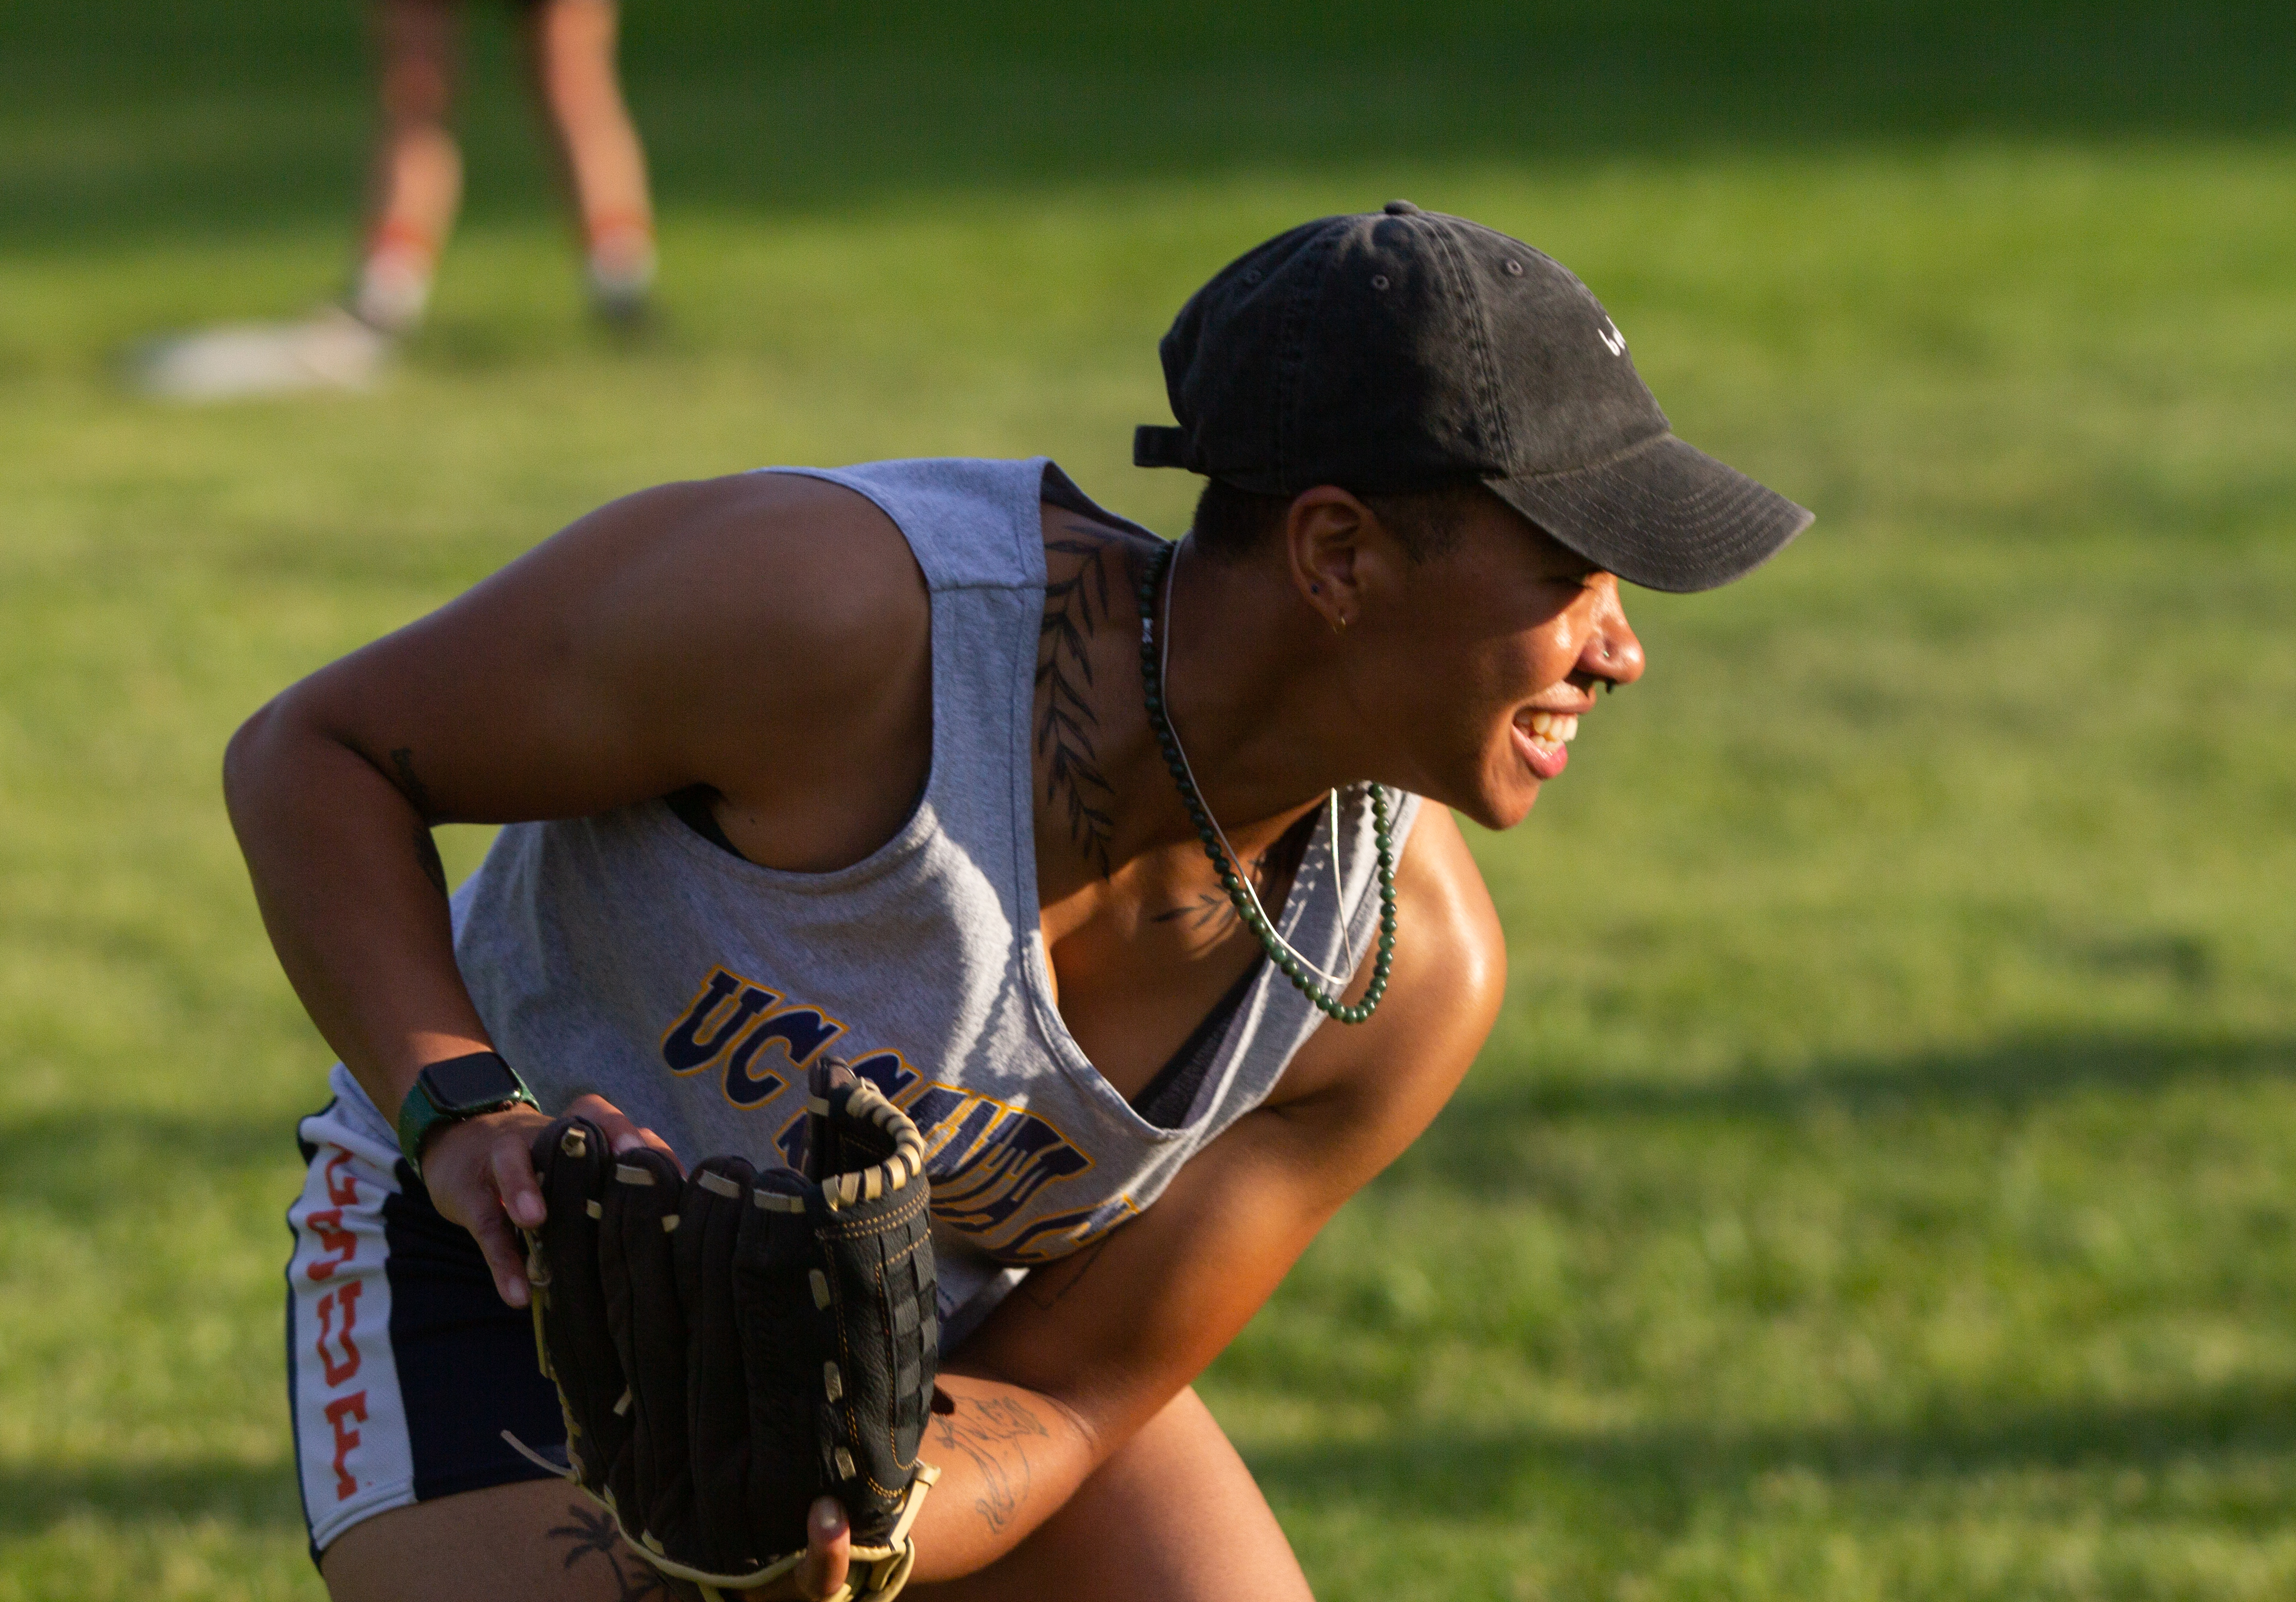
{"points": [[1156, 447]]}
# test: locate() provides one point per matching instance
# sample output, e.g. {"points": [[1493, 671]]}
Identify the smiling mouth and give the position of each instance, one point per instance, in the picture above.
{"points": [[1556, 728], [1542, 738]]}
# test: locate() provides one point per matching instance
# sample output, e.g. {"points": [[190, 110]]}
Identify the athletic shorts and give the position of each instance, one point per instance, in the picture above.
{"points": [[404, 1366]]}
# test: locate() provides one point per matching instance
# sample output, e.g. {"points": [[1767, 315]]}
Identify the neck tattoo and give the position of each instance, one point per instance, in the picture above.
{"points": [[1305, 976]]}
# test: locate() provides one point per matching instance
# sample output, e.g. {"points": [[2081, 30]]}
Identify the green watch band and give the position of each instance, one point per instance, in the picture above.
{"points": [[449, 1092]]}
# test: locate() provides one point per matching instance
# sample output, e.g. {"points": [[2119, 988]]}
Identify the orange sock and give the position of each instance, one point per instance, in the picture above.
{"points": [[621, 247], [621, 264]]}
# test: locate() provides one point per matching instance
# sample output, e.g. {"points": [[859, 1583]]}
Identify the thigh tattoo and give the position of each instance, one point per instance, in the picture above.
{"points": [[589, 1532]]}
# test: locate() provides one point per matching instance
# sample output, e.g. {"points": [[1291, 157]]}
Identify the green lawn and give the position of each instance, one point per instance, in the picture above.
{"points": [[1880, 1184]]}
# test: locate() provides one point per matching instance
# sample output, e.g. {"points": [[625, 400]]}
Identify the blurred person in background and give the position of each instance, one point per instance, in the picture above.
{"points": [[418, 168], [416, 189]]}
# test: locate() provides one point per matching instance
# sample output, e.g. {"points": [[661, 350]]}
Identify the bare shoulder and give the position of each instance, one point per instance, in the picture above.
{"points": [[819, 563], [760, 595], [689, 634], [1359, 1094], [780, 613]]}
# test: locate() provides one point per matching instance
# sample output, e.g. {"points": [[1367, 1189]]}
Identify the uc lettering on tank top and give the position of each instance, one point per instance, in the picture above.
{"points": [[624, 954]]}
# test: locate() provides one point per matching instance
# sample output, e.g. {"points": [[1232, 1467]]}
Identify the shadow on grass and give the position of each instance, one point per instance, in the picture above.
{"points": [[212, 118], [1658, 1477], [1476, 1142], [34, 1497], [2006, 1074]]}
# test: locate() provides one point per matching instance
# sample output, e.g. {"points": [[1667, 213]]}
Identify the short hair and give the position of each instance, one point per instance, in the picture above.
{"points": [[1230, 522]]}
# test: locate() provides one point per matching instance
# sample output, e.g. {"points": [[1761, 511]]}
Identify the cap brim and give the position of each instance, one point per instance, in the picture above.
{"points": [[1664, 516]]}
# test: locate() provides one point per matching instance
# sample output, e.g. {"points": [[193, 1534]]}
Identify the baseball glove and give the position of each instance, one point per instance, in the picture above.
{"points": [[731, 1344]]}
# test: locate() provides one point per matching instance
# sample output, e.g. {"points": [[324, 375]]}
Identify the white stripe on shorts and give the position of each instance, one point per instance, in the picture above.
{"points": [[351, 1446]]}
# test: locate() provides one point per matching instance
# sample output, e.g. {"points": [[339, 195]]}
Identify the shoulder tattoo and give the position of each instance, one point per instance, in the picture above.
{"points": [[1075, 607]]}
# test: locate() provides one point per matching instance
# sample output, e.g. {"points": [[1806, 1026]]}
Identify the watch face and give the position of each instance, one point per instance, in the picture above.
{"points": [[481, 1079]]}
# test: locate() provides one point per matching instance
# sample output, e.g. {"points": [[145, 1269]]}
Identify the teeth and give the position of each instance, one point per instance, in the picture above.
{"points": [[1554, 726]]}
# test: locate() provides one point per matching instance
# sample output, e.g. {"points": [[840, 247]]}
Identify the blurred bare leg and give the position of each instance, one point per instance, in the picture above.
{"points": [[571, 48], [418, 171]]}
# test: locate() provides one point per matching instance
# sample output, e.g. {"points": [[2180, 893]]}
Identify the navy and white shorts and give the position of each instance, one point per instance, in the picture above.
{"points": [[404, 1366]]}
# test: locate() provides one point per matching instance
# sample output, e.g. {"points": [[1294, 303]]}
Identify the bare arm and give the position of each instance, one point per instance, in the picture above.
{"points": [[663, 641], [1092, 1347]]}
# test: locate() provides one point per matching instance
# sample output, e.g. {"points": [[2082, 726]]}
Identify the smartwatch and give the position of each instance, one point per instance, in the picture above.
{"points": [[451, 1091]]}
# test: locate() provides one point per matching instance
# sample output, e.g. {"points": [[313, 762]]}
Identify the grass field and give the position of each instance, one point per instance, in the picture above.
{"points": [[1880, 1184]]}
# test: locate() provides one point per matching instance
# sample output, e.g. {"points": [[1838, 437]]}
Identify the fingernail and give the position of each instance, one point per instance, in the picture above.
{"points": [[513, 1291], [527, 1209], [627, 1143], [828, 1517]]}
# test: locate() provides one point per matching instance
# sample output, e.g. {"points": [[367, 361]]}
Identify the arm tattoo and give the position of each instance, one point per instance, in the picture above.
{"points": [[1045, 1286], [994, 1432], [590, 1532], [1074, 609], [426, 857], [418, 796], [410, 783]]}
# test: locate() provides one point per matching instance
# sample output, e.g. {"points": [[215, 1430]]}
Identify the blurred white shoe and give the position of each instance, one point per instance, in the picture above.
{"points": [[330, 350], [620, 274], [392, 289]]}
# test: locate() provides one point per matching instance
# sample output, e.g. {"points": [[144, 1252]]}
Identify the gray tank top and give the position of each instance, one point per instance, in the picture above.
{"points": [[624, 954]]}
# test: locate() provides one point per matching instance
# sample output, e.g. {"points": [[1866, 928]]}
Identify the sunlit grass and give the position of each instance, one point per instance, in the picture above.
{"points": [[1877, 1185]]}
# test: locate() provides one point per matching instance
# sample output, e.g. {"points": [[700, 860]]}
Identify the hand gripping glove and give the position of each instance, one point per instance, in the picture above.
{"points": [[729, 1346]]}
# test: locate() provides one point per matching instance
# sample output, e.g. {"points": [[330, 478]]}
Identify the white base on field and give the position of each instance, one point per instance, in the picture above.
{"points": [[330, 349]]}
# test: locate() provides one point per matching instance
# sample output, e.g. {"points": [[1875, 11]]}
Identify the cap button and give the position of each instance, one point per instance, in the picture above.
{"points": [[1400, 209]]}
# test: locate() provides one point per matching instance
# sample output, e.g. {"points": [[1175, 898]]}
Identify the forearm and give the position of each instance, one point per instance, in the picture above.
{"points": [[1009, 1457], [353, 896]]}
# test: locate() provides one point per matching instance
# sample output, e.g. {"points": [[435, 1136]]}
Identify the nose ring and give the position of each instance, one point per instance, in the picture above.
{"points": [[1606, 650]]}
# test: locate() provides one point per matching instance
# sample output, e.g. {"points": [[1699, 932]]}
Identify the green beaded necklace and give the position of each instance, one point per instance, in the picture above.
{"points": [[1288, 961]]}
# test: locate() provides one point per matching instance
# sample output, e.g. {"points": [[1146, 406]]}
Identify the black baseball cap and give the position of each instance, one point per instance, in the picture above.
{"points": [[1401, 350]]}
